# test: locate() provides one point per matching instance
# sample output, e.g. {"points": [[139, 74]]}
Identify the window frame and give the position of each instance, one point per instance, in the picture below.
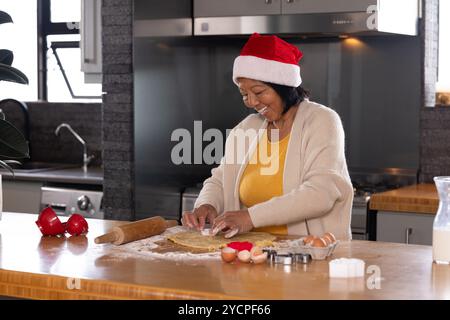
{"points": [[46, 27]]}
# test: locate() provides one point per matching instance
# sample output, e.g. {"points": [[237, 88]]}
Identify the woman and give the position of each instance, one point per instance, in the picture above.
{"points": [[310, 191]]}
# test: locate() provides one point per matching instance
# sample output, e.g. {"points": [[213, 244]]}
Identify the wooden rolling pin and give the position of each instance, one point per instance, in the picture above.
{"points": [[136, 230]]}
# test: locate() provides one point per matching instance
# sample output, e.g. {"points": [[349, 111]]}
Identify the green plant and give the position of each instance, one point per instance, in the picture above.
{"points": [[13, 144]]}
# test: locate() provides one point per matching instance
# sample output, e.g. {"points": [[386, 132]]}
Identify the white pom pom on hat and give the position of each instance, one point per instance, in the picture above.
{"points": [[268, 59]]}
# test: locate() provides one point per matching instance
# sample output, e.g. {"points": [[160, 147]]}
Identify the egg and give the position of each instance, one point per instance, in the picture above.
{"points": [[330, 236], [319, 243], [228, 254], [260, 258], [256, 251], [244, 256], [327, 240], [257, 255], [309, 239]]}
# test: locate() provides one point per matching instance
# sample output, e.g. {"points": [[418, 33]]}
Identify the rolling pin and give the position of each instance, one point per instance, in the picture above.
{"points": [[136, 230]]}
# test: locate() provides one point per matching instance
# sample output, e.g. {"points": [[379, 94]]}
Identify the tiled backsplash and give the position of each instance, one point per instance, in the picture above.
{"points": [[44, 117]]}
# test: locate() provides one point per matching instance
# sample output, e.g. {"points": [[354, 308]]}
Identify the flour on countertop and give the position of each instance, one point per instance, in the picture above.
{"points": [[144, 247]]}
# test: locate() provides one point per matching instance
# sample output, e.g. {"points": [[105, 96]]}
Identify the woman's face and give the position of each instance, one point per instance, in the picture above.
{"points": [[261, 97]]}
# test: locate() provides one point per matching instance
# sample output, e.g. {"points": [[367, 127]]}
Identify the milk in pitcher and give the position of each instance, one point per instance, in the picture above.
{"points": [[441, 245]]}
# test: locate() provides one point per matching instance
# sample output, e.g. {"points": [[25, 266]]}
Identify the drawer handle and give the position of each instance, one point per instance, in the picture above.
{"points": [[408, 232]]}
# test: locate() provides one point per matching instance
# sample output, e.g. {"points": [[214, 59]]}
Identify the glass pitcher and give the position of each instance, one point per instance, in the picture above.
{"points": [[441, 224]]}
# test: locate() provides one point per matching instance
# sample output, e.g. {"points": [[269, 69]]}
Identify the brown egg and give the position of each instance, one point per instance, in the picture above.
{"points": [[330, 236], [309, 239], [228, 254], [327, 240], [319, 242]]}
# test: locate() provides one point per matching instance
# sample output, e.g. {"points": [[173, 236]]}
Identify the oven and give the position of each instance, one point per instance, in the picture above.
{"points": [[68, 200], [359, 217], [367, 182]]}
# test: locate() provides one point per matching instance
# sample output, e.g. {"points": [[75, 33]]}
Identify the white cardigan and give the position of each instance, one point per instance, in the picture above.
{"points": [[317, 190]]}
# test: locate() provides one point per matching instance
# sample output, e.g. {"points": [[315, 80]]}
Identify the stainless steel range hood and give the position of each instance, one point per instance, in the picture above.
{"points": [[306, 17]]}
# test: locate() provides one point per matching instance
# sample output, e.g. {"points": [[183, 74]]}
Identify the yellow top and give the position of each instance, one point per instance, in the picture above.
{"points": [[263, 177]]}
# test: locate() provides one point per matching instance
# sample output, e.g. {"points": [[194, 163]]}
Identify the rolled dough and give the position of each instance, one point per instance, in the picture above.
{"points": [[195, 239]]}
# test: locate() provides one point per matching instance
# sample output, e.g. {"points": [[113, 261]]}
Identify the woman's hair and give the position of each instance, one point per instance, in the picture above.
{"points": [[290, 96]]}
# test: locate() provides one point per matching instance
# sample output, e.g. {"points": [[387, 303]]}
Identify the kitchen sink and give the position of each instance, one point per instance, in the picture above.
{"points": [[35, 166]]}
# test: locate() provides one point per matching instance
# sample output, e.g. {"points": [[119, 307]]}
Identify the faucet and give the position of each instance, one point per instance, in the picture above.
{"points": [[86, 159]]}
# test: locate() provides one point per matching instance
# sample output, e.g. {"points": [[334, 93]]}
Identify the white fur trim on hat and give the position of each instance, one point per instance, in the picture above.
{"points": [[266, 70]]}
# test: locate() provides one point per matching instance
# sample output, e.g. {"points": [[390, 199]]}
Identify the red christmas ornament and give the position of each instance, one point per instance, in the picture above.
{"points": [[76, 225], [241, 245], [49, 223]]}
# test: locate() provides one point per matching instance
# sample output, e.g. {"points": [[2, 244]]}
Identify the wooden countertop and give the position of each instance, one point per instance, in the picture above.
{"points": [[38, 267], [420, 198]]}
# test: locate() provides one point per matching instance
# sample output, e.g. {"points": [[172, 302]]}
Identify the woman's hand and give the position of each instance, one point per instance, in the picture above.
{"points": [[233, 222], [197, 218]]}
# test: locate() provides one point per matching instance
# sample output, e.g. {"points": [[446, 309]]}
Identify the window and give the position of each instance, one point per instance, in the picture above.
{"points": [[443, 84], [21, 38], [65, 81], [68, 85], [63, 11], [61, 33]]}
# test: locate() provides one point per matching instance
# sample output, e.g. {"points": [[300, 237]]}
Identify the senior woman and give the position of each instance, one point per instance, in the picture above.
{"points": [[310, 191]]}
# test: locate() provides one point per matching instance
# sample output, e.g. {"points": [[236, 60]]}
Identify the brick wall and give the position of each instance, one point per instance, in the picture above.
{"points": [[434, 121], [117, 112]]}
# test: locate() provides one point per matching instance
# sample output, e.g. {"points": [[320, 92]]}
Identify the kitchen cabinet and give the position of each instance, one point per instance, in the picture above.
{"points": [[220, 8], [162, 18], [324, 6], [412, 228], [21, 196], [218, 17], [91, 40]]}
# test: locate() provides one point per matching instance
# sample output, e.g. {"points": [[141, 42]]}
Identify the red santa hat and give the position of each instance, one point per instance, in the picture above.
{"points": [[268, 59]]}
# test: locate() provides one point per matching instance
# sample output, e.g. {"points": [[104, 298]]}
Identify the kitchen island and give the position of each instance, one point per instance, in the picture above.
{"points": [[38, 267], [419, 198], [404, 215]]}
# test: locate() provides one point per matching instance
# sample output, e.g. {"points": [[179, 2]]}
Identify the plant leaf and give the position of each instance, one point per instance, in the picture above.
{"points": [[6, 57], [5, 165], [8, 162], [4, 17], [12, 142], [12, 74]]}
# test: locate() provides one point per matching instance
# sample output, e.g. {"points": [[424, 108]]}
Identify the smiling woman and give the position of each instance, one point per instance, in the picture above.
{"points": [[308, 190]]}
